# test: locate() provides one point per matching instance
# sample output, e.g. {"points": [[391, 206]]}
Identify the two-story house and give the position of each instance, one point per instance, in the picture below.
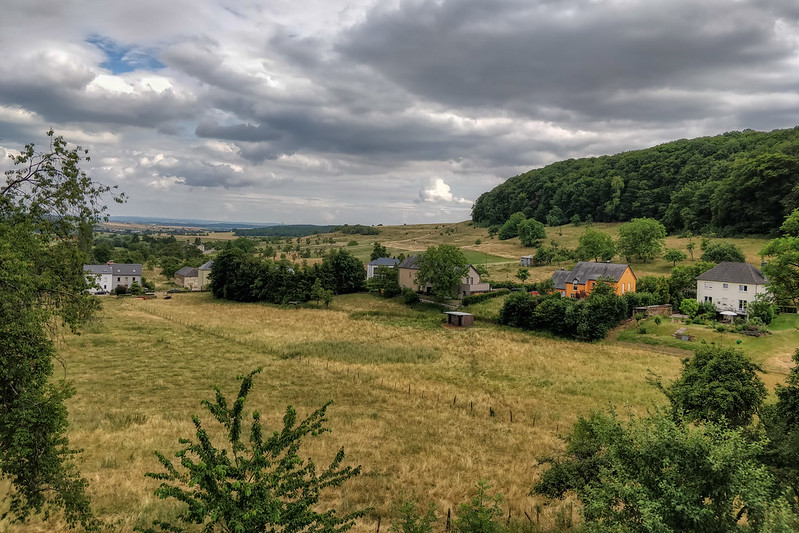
{"points": [[581, 280], [107, 277], [730, 286], [470, 282]]}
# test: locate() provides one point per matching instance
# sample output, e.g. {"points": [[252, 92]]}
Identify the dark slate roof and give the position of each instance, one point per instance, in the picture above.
{"points": [[585, 271], [384, 261], [117, 269], [560, 277], [187, 272], [410, 262], [206, 266], [126, 269], [97, 269], [734, 273]]}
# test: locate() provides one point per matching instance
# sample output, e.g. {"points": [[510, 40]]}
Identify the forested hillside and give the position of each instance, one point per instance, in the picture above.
{"points": [[736, 183]]}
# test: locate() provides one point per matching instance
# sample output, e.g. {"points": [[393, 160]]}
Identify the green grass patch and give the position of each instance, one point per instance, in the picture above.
{"points": [[363, 352], [479, 258], [784, 322]]}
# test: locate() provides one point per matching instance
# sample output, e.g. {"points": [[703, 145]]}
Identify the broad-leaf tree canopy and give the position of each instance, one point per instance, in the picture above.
{"points": [[48, 206], [741, 182]]}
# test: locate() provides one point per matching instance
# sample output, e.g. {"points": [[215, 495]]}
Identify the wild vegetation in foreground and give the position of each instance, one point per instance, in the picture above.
{"points": [[412, 399]]}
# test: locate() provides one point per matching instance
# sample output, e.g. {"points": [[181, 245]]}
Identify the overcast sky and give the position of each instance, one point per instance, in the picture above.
{"points": [[362, 111]]}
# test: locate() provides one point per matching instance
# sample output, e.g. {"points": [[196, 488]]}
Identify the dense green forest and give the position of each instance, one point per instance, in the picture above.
{"points": [[737, 183], [284, 230]]}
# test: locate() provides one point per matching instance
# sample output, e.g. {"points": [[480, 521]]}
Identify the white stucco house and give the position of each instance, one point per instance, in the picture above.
{"points": [[107, 277], [730, 286]]}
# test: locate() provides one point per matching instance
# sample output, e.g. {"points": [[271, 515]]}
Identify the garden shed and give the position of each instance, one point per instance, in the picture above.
{"points": [[459, 319]]}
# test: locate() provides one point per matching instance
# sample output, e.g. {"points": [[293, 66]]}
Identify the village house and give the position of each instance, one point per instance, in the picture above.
{"points": [[526, 261], [581, 280], [372, 266], [731, 287], [109, 276], [470, 282], [195, 279]]}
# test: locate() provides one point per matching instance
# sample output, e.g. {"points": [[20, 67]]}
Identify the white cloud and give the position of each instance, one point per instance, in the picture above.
{"points": [[314, 110], [437, 190]]}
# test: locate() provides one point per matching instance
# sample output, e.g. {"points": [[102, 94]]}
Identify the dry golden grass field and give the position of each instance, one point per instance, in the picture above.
{"points": [[411, 396]]}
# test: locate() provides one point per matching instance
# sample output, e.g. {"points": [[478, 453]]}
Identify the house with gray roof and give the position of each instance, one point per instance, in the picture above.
{"points": [[372, 266], [109, 276], [731, 286], [195, 279], [581, 280], [470, 282]]}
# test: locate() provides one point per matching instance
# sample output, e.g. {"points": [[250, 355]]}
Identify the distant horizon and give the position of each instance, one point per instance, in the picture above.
{"points": [[205, 222]]}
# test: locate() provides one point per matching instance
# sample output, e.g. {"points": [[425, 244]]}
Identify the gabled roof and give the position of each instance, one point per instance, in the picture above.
{"points": [[734, 273], [206, 266], [410, 262], [585, 271], [97, 269], [560, 277], [117, 269], [126, 269], [187, 272], [384, 262]]}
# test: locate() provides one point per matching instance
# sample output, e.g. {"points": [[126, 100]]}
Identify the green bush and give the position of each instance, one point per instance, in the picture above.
{"points": [[409, 296], [264, 484]]}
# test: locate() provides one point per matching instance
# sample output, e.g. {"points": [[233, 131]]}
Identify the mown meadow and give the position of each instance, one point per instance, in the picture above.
{"points": [[413, 398]]}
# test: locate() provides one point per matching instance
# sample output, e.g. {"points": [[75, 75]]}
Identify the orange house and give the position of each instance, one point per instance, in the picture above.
{"points": [[581, 280]]}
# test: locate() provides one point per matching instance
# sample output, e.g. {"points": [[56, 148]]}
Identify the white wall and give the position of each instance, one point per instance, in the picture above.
{"points": [[727, 298]]}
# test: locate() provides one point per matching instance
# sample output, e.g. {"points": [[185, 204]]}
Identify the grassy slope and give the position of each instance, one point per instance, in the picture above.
{"points": [[142, 372]]}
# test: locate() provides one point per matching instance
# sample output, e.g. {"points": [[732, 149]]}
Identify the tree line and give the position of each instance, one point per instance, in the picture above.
{"points": [[237, 274], [737, 183]]}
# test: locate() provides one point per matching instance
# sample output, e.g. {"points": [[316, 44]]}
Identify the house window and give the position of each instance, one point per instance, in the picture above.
{"points": [[709, 299], [574, 285], [743, 288], [119, 279], [725, 285], [742, 304], [708, 285]]}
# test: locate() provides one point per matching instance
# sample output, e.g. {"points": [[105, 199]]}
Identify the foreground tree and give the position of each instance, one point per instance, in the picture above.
{"points": [[442, 267], [656, 474], [718, 385], [258, 484], [44, 203]]}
